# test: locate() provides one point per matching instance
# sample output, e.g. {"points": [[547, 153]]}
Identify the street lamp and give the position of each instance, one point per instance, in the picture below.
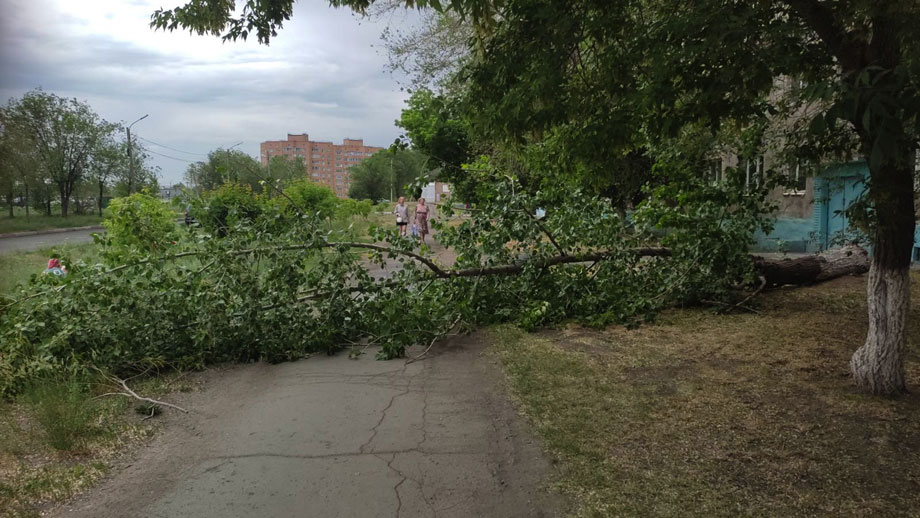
{"points": [[130, 160], [227, 158]]}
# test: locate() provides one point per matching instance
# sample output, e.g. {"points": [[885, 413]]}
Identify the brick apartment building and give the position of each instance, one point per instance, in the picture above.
{"points": [[326, 163]]}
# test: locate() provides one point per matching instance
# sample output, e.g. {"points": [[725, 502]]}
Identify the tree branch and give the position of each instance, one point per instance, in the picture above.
{"points": [[821, 19], [130, 393]]}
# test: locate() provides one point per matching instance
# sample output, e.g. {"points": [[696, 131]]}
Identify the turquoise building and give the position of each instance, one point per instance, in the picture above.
{"points": [[814, 219]]}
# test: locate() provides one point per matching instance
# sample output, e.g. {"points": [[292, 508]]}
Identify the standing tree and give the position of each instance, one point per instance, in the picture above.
{"points": [[108, 162], [223, 166], [19, 163], [281, 171], [636, 71], [65, 133], [385, 174]]}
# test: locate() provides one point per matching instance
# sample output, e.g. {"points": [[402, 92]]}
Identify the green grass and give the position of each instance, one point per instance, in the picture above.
{"points": [[17, 267], [57, 439], [734, 415], [39, 221]]}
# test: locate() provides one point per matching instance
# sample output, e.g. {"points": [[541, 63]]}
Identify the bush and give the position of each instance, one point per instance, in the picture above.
{"points": [[303, 197], [64, 409], [229, 205], [140, 221], [349, 208]]}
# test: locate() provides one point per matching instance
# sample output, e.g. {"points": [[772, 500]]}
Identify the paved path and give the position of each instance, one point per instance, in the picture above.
{"points": [[332, 437], [34, 242]]}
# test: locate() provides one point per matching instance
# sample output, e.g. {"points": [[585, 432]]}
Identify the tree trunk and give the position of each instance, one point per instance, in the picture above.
{"points": [[10, 200], [65, 202], [26, 200], [878, 366], [849, 260], [101, 191]]}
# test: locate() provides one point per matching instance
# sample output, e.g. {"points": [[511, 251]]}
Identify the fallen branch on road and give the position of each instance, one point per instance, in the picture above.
{"points": [[132, 394]]}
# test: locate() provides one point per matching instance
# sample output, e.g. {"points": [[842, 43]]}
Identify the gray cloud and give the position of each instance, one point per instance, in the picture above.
{"points": [[321, 76]]}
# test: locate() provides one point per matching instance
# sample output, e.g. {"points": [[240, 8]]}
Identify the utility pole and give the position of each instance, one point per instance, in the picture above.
{"points": [[130, 159]]}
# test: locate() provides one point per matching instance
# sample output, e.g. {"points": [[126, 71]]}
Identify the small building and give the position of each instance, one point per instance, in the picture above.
{"points": [[436, 192], [168, 193]]}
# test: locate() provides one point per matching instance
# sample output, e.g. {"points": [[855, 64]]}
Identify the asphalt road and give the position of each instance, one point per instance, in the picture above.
{"points": [[35, 242], [334, 437]]}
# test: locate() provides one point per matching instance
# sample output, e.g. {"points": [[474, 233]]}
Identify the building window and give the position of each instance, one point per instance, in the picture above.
{"points": [[714, 170], [752, 169], [796, 174]]}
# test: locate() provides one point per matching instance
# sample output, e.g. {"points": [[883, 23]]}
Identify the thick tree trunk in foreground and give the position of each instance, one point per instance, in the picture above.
{"points": [[849, 260], [878, 366]]}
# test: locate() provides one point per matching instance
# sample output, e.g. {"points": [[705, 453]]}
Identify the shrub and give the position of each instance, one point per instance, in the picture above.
{"points": [[229, 205], [64, 409], [348, 208], [309, 199], [140, 221]]}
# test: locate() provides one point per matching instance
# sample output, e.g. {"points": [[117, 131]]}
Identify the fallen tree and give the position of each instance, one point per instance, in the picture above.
{"points": [[257, 294], [849, 260]]}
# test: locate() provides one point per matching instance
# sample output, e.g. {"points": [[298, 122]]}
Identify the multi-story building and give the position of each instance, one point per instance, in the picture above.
{"points": [[326, 163]]}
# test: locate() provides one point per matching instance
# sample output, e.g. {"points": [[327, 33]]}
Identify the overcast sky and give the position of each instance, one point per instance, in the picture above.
{"points": [[323, 75]]}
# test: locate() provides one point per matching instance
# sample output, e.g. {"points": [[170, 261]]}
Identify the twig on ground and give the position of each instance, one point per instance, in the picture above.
{"points": [[725, 304], [763, 284], [435, 339], [130, 393]]}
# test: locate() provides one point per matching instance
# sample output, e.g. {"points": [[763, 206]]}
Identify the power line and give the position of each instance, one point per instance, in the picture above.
{"points": [[167, 147], [172, 157]]}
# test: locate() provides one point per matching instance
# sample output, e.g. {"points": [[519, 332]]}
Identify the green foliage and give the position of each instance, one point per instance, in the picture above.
{"points": [[229, 166], [229, 205], [348, 208], [437, 130], [62, 137], [305, 198], [275, 291], [141, 222], [64, 409], [385, 175]]}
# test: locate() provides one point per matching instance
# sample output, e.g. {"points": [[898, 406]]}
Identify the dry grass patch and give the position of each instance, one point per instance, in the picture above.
{"points": [[51, 450], [737, 415]]}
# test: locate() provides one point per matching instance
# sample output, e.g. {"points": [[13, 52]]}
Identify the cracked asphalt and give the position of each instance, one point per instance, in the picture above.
{"points": [[334, 437]]}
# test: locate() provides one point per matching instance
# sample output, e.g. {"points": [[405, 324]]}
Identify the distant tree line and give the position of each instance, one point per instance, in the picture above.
{"points": [[56, 151]]}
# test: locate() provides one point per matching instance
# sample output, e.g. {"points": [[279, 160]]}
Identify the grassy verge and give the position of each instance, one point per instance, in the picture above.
{"points": [[57, 439], [39, 221], [738, 415], [17, 267]]}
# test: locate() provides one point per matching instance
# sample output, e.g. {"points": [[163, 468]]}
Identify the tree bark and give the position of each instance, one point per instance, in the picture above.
{"points": [[65, 202], [849, 260], [101, 191], [878, 366]]}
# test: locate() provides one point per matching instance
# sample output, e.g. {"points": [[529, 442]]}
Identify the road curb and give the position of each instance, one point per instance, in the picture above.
{"points": [[50, 231]]}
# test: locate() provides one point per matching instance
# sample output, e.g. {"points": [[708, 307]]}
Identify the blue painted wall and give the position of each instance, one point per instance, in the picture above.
{"points": [[834, 189], [788, 235]]}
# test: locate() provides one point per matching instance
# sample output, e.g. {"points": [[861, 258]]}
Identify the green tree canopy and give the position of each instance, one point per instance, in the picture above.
{"points": [[386, 174], [64, 133], [225, 166]]}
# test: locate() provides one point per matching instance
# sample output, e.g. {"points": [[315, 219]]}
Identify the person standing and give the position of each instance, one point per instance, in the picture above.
{"points": [[421, 219], [402, 215]]}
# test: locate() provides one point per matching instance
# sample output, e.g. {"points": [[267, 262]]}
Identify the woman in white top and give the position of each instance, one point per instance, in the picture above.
{"points": [[402, 215]]}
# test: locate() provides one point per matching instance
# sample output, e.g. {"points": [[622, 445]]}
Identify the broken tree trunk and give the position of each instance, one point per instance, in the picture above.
{"points": [[849, 260]]}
